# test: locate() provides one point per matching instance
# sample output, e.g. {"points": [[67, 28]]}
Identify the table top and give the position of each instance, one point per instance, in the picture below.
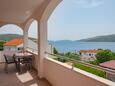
{"points": [[25, 54]]}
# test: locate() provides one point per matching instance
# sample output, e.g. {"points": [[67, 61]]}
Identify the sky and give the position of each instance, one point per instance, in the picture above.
{"points": [[76, 19]]}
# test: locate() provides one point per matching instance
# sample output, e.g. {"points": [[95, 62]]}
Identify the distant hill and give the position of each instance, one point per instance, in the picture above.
{"points": [[7, 37], [105, 38]]}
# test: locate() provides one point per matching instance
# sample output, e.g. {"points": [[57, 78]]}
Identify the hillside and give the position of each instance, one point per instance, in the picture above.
{"points": [[106, 38], [7, 37]]}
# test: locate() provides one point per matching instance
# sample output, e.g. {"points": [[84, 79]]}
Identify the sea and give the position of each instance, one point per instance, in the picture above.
{"points": [[75, 46]]}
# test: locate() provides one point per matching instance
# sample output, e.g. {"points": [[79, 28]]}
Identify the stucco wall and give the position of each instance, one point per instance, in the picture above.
{"points": [[12, 48], [59, 74], [1, 57], [87, 57]]}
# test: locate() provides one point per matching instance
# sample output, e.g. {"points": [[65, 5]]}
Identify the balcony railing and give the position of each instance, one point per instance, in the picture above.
{"points": [[61, 74], [74, 62], [35, 51]]}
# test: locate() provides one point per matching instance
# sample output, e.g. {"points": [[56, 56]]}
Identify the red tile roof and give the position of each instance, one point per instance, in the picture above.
{"points": [[89, 51], [108, 64], [14, 42]]}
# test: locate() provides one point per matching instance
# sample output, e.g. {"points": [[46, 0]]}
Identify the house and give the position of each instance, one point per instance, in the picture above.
{"points": [[14, 45], [109, 65], [88, 55], [17, 45]]}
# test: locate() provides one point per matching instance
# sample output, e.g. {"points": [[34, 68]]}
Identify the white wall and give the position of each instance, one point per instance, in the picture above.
{"points": [[87, 57], [1, 57], [32, 45], [60, 74], [11, 48]]}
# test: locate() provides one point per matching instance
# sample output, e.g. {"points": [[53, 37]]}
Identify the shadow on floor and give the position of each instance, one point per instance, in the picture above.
{"points": [[13, 78]]}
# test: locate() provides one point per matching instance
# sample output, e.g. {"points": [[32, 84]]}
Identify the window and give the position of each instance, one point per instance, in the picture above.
{"points": [[89, 54]]}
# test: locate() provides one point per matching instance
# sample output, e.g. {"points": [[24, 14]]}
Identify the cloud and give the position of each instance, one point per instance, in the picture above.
{"points": [[88, 3]]}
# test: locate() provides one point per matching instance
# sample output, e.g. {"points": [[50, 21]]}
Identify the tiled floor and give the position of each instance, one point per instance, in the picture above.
{"points": [[12, 78]]}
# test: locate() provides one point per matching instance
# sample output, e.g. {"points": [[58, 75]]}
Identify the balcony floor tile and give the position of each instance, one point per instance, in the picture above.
{"points": [[12, 78]]}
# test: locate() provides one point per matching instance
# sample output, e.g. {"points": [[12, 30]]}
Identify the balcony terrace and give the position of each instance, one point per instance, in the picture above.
{"points": [[22, 13], [55, 72], [12, 78]]}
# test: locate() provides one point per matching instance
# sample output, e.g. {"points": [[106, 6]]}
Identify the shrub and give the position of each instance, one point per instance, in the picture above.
{"points": [[104, 55], [1, 45], [94, 62], [55, 51]]}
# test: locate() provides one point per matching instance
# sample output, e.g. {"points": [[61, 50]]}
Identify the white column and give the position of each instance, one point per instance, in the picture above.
{"points": [[42, 46], [25, 38]]}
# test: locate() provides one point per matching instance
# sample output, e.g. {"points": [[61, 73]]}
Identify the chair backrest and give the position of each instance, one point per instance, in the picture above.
{"points": [[6, 58], [9, 57]]}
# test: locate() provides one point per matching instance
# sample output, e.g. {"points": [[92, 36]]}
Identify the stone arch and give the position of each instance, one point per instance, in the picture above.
{"points": [[50, 8], [27, 24], [33, 27]]}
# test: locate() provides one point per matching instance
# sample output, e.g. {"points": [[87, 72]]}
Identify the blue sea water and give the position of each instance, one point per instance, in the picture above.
{"points": [[77, 46]]}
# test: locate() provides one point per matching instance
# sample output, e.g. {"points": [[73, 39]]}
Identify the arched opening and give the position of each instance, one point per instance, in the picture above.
{"points": [[85, 28], [8, 33], [75, 20], [33, 36], [10, 30]]}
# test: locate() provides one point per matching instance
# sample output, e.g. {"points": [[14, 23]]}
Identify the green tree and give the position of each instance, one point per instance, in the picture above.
{"points": [[113, 56], [104, 55], [68, 54], [1, 45], [55, 51]]}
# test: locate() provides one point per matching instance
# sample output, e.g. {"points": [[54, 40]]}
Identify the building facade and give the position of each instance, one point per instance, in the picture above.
{"points": [[14, 45], [88, 55]]}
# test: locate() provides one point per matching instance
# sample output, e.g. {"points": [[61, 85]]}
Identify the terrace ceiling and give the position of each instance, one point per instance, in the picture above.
{"points": [[19, 11]]}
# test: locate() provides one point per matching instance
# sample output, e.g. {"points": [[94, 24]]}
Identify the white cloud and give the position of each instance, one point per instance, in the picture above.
{"points": [[88, 3]]}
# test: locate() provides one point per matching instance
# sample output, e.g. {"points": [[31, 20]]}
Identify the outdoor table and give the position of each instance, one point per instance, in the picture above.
{"points": [[22, 55]]}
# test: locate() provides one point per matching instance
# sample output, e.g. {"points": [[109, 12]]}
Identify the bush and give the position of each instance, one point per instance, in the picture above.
{"points": [[1, 45], [113, 57], [94, 62], [55, 51], [104, 55]]}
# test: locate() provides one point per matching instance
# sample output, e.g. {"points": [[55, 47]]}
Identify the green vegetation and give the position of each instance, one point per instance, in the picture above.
{"points": [[62, 58], [55, 51], [94, 62], [91, 70], [102, 56], [105, 55], [1, 45], [66, 57], [8, 37], [72, 56]]}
